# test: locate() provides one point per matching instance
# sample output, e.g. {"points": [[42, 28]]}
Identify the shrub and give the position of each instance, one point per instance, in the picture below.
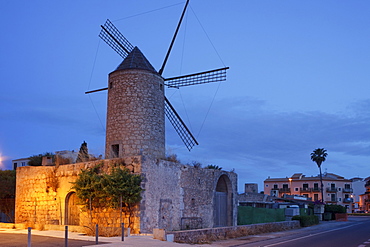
{"points": [[306, 220], [335, 209]]}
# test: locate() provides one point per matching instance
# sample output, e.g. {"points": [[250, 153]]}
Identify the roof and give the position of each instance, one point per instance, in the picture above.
{"points": [[301, 177], [136, 60]]}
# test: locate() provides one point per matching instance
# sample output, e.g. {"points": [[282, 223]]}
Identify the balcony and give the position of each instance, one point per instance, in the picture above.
{"points": [[332, 189], [332, 200], [348, 200], [305, 189], [284, 190], [347, 190], [316, 189]]}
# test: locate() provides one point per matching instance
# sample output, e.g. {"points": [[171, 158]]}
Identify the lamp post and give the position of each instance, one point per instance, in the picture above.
{"points": [[290, 186]]}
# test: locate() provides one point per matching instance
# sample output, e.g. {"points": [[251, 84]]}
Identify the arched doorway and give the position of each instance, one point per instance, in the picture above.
{"points": [[223, 202], [72, 216]]}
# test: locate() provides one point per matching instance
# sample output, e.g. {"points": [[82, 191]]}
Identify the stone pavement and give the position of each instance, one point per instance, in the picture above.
{"points": [[147, 240]]}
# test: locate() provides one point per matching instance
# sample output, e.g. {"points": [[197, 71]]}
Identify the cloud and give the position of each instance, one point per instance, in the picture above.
{"points": [[240, 133]]}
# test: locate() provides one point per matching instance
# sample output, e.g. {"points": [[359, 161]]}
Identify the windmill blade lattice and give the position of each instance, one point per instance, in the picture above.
{"points": [[179, 125], [197, 78], [114, 38]]}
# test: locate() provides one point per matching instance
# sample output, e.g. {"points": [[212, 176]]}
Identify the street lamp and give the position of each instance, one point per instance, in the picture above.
{"points": [[290, 185]]}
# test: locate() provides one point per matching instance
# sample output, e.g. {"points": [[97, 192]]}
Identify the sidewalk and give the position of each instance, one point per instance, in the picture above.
{"points": [[131, 241]]}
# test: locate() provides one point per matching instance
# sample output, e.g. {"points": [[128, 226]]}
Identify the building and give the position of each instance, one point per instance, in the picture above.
{"points": [[358, 185], [20, 162], [337, 189], [365, 198]]}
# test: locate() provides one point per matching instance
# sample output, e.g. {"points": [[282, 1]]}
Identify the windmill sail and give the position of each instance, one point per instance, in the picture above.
{"points": [[197, 78], [114, 38], [179, 125]]}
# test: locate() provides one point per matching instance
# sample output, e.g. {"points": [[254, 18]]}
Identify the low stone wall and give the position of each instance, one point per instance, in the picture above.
{"points": [[202, 236]]}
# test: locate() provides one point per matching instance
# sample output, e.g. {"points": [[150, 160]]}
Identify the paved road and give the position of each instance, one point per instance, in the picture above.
{"points": [[21, 240], [353, 233]]}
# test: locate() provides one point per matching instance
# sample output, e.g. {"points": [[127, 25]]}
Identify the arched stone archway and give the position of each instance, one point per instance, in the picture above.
{"points": [[72, 212], [223, 209]]}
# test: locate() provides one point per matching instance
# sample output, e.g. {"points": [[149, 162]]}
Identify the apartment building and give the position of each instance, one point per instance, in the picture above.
{"points": [[365, 198], [337, 189]]}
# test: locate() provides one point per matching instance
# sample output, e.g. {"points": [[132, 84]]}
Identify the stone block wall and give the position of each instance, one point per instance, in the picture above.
{"points": [[179, 195], [41, 194], [175, 196], [202, 236], [135, 114]]}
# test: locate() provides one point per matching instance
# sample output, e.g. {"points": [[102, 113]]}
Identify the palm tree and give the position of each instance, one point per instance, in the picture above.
{"points": [[319, 155]]}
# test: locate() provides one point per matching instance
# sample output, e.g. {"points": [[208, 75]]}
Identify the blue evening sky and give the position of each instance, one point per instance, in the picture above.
{"points": [[298, 80]]}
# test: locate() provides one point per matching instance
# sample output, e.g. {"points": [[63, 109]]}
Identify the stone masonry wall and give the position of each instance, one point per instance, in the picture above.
{"points": [[179, 195], [135, 116], [202, 236], [42, 191]]}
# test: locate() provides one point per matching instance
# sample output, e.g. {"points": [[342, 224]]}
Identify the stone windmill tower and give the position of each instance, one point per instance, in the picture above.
{"points": [[137, 103]]}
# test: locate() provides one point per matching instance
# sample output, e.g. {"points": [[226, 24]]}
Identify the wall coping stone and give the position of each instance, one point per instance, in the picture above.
{"points": [[208, 235]]}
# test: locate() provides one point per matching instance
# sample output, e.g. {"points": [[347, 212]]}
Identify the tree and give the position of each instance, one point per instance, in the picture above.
{"points": [[319, 155], [36, 160], [7, 184], [83, 154], [98, 190]]}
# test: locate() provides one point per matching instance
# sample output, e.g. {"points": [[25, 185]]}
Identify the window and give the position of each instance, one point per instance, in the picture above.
{"points": [[316, 186], [305, 195], [23, 163], [339, 189], [296, 189], [285, 186], [339, 199], [275, 186], [332, 186], [305, 186], [267, 185], [315, 197], [332, 197]]}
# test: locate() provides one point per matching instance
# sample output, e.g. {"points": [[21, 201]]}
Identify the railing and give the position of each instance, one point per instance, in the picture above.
{"points": [[305, 189], [316, 189], [284, 190], [332, 189], [347, 190], [331, 200]]}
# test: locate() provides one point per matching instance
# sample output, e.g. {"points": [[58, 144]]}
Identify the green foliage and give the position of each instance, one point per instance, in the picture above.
{"points": [[335, 208], [83, 154], [105, 190], [213, 167], [7, 184], [36, 160], [306, 220], [250, 215], [319, 155]]}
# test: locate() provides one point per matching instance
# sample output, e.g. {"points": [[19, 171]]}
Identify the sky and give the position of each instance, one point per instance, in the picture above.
{"points": [[298, 80]]}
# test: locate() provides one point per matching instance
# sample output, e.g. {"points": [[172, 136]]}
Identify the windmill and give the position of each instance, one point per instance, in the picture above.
{"points": [[150, 139]]}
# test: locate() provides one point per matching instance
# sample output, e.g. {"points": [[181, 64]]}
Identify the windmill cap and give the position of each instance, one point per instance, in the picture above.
{"points": [[136, 60]]}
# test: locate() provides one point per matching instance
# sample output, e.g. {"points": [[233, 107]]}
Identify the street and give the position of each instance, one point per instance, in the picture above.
{"points": [[354, 233]]}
